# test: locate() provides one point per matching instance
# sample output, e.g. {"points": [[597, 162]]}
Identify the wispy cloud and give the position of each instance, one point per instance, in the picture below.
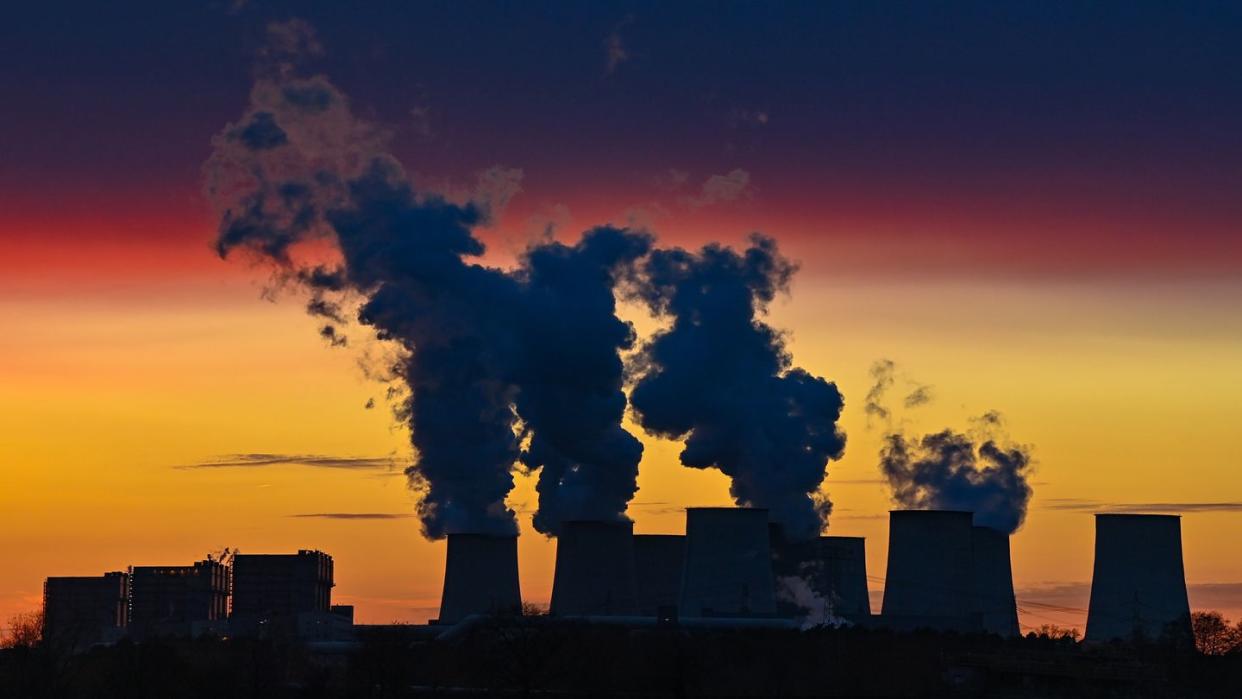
{"points": [[352, 515], [615, 52], [260, 460], [1083, 505], [717, 189]]}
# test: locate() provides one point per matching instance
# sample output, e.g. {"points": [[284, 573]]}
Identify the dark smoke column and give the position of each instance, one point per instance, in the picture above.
{"points": [[299, 176], [721, 379], [570, 378]]}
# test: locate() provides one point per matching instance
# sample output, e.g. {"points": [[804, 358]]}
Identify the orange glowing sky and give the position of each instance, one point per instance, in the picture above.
{"points": [[1064, 248]]}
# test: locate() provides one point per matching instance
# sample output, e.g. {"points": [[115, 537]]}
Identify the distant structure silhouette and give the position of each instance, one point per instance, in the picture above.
{"points": [[930, 568], [995, 605], [178, 600], [480, 576], [79, 612], [659, 560], [595, 572], [833, 569], [280, 588], [728, 568], [1138, 588]]}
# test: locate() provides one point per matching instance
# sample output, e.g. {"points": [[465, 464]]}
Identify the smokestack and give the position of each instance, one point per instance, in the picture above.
{"points": [[1139, 585], [834, 569], [658, 563], [728, 563], [480, 576], [930, 563], [594, 569], [995, 605]]}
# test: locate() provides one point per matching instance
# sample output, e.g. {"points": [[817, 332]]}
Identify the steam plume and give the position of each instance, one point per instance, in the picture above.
{"points": [[721, 378], [981, 471], [481, 346]]}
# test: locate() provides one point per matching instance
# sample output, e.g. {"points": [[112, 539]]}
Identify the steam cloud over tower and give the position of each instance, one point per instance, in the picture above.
{"points": [[594, 569], [480, 346], [722, 379], [1139, 584], [728, 569]]}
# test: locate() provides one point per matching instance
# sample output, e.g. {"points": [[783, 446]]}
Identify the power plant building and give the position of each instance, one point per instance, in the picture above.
{"points": [[1138, 588], [728, 568], [269, 586], [178, 600], [594, 569], [80, 612], [480, 577]]}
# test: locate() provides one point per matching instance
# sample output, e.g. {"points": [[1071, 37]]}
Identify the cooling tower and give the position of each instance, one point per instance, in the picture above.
{"points": [[658, 563], [995, 607], [728, 568], [834, 569], [480, 576], [1139, 585], [594, 569], [930, 565]]}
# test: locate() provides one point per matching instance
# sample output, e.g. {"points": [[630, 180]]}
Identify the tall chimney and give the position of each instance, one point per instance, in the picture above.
{"points": [[728, 563], [480, 576], [594, 569], [995, 605], [1139, 584], [659, 560], [930, 564]]}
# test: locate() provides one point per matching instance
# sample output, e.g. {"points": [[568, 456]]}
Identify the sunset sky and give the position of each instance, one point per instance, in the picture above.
{"points": [[1033, 209]]}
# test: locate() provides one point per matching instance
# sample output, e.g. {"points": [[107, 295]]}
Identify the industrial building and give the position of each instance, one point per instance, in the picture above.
{"points": [[594, 570], [281, 585], [178, 600], [79, 612], [1138, 588]]}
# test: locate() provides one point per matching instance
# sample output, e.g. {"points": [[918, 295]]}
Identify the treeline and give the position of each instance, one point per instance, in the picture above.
{"points": [[538, 656]]}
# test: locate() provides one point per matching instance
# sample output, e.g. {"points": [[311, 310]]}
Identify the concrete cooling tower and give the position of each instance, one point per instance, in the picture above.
{"points": [[658, 563], [728, 563], [1139, 585], [594, 569], [995, 606], [834, 569], [480, 576], [930, 568]]}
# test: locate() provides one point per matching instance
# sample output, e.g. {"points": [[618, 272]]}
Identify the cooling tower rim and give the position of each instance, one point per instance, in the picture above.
{"points": [[726, 509], [834, 537], [931, 512], [661, 536], [1135, 515], [479, 535]]}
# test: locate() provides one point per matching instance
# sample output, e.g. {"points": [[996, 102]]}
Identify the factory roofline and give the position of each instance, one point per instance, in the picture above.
{"points": [[1144, 515]]}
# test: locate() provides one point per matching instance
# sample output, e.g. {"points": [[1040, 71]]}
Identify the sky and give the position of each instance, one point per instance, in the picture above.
{"points": [[1031, 208]]}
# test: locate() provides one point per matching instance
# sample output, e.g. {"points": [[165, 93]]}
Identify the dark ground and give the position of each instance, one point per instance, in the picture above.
{"points": [[538, 657]]}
